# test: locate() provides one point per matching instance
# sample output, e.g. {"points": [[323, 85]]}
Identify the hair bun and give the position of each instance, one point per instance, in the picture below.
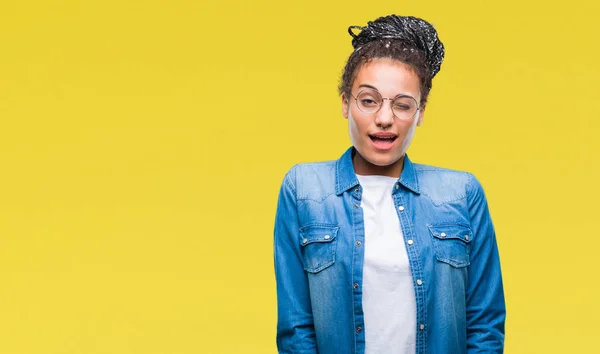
{"points": [[411, 29]]}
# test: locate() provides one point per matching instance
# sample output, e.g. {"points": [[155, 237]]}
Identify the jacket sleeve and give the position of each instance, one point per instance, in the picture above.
{"points": [[485, 305], [295, 329]]}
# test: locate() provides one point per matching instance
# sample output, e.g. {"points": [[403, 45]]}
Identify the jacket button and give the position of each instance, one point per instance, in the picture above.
{"points": [[443, 234], [410, 242], [422, 327], [419, 282], [327, 237], [358, 329], [355, 286], [401, 208], [358, 243]]}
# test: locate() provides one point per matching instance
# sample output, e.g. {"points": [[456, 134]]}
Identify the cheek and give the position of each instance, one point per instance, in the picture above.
{"points": [[356, 127], [408, 136], [359, 122], [352, 130]]}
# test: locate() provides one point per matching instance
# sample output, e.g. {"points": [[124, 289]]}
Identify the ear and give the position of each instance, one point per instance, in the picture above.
{"points": [[421, 116], [345, 106]]}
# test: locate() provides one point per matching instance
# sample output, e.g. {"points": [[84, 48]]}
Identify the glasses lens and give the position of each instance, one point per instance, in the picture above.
{"points": [[369, 101], [404, 107]]}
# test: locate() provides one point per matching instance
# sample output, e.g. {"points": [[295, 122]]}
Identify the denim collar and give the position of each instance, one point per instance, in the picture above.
{"points": [[345, 178]]}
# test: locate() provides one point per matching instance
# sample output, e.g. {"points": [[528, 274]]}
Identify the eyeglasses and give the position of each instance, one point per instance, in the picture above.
{"points": [[369, 101]]}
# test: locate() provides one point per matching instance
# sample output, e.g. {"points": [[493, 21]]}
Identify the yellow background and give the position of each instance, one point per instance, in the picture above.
{"points": [[142, 145]]}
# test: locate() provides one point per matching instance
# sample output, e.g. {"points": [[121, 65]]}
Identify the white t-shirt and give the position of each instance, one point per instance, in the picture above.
{"points": [[389, 304]]}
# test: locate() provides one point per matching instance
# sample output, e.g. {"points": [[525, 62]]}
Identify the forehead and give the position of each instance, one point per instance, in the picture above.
{"points": [[390, 77]]}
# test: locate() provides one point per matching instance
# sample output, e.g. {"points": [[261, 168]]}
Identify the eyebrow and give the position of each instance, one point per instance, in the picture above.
{"points": [[368, 86], [375, 88]]}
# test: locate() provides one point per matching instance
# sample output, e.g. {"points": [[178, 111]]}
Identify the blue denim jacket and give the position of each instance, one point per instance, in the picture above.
{"points": [[451, 245]]}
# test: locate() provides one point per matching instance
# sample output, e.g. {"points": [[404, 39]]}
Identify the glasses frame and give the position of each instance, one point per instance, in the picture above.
{"points": [[389, 99]]}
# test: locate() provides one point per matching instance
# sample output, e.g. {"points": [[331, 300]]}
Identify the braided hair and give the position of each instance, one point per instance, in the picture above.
{"points": [[408, 39]]}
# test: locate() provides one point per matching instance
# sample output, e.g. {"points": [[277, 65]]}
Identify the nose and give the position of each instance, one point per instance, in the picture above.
{"points": [[384, 117]]}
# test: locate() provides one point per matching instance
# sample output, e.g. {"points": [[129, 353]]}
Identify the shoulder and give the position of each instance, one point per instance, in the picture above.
{"points": [[445, 184], [313, 180]]}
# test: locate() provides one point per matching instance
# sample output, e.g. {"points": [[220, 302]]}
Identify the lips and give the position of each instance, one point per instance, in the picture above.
{"points": [[383, 141]]}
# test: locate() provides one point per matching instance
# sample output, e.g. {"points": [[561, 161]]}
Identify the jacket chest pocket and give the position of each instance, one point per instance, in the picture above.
{"points": [[318, 247], [451, 243]]}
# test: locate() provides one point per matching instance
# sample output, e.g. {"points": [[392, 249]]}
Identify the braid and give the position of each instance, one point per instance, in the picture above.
{"points": [[413, 30]]}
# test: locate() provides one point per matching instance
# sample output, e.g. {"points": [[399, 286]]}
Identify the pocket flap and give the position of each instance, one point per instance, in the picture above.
{"points": [[318, 233], [451, 231]]}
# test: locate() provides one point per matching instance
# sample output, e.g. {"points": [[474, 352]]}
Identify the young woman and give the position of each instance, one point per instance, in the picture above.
{"points": [[375, 253]]}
